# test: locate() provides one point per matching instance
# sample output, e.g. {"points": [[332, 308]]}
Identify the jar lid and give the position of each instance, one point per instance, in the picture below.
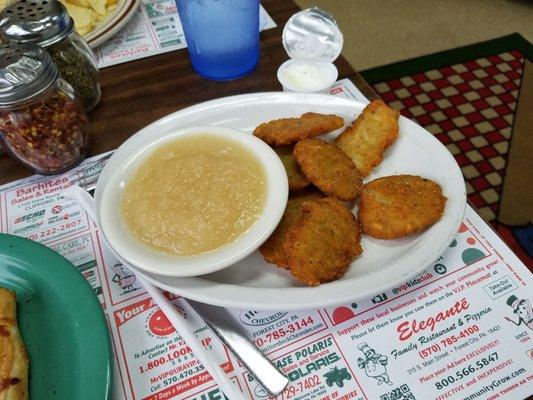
{"points": [[312, 34], [43, 22], [26, 70]]}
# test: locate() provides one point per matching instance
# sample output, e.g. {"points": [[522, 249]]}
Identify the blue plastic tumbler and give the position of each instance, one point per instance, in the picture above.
{"points": [[222, 36]]}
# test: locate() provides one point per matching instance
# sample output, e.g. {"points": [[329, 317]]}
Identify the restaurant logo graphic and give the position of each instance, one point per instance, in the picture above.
{"points": [[374, 364], [124, 278], [157, 324], [341, 314], [258, 318], [29, 217], [522, 310], [337, 376]]}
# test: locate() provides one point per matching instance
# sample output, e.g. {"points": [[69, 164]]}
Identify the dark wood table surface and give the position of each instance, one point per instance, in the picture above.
{"points": [[137, 93]]}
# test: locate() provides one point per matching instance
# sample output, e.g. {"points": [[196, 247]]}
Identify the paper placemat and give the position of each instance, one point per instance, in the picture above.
{"points": [[460, 330]]}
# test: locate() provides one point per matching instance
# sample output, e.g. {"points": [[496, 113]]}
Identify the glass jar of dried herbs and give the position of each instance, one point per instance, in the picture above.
{"points": [[48, 24]]}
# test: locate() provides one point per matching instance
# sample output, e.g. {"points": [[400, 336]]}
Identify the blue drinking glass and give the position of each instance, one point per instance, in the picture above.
{"points": [[222, 36]]}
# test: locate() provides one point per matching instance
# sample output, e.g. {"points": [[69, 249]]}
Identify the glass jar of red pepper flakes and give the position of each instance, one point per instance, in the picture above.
{"points": [[42, 123]]}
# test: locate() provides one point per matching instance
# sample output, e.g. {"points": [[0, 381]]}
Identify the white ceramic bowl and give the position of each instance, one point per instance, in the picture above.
{"points": [[151, 260]]}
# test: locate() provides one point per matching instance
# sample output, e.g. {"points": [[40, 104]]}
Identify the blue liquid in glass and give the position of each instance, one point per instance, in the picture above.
{"points": [[222, 36]]}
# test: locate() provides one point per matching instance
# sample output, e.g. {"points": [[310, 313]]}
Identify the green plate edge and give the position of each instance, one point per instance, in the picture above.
{"points": [[72, 307]]}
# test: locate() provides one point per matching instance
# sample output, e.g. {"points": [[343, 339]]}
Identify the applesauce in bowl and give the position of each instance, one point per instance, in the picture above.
{"points": [[194, 194], [193, 201]]}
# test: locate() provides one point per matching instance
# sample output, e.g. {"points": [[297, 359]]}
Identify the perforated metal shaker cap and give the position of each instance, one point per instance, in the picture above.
{"points": [[43, 22], [312, 34], [26, 70]]}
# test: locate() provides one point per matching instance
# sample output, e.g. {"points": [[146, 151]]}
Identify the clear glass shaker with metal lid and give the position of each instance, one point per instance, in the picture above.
{"points": [[48, 24], [42, 124]]}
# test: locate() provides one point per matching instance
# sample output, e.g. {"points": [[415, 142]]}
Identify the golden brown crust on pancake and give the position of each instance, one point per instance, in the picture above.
{"points": [[328, 168], [13, 356], [285, 131], [272, 249], [365, 141], [395, 206], [324, 242], [297, 179]]}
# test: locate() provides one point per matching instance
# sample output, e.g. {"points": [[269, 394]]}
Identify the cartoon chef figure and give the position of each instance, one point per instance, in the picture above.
{"points": [[124, 278], [375, 365], [522, 308]]}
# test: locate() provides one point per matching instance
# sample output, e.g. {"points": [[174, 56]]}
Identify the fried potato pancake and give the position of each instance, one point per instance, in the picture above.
{"points": [[395, 206], [324, 242], [369, 135], [285, 131], [13, 356], [328, 168], [297, 179], [272, 249]]}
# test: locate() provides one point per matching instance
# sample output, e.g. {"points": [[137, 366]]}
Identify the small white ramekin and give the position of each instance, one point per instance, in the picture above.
{"points": [[151, 260], [330, 71]]}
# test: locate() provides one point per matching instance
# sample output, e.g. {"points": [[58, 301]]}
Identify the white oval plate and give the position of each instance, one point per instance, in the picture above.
{"points": [[254, 284], [112, 23]]}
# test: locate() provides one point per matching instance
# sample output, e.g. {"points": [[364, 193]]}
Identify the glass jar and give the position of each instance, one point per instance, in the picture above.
{"points": [[42, 124], [48, 24], [77, 65]]}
